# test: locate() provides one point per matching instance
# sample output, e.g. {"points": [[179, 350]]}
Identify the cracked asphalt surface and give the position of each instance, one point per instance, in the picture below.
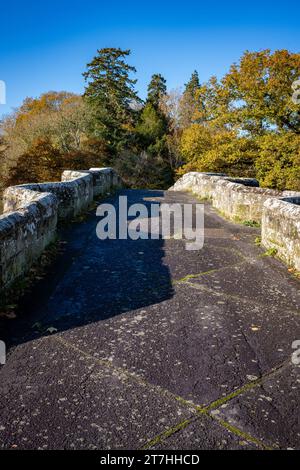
{"points": [[155, 346]]}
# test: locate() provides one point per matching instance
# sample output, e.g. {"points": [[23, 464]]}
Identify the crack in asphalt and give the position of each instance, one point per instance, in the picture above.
{"points": [[231, 296], [189, 323], [200, 410], [212, 271]]}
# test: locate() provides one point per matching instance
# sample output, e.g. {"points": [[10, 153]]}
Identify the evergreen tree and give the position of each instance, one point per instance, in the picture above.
{"points": [[189, 100], [110, 91], [152, 131], [193, 84], [152, 125], [156, 89]]}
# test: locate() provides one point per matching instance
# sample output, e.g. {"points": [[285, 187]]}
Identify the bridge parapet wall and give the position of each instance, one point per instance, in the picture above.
{"points": [[32, 211], [241, 200]]}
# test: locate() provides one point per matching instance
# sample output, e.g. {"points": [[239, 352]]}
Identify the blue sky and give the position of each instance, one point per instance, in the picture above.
{"points": [[46, 45]]}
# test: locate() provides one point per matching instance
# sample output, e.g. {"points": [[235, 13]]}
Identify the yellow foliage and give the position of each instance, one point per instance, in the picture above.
{"points": [[247, 124]]}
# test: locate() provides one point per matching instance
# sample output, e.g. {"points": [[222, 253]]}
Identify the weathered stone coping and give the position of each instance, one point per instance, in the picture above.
{"points": [[31, 212], [73, 196], [240, 202], [240, 199], [281, 228], [236, 198], [25, 233]]}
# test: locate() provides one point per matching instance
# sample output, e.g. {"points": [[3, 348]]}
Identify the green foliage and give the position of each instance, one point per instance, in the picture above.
{"points": [[152, 125], [156, 89], [148, 163], [251, 223], [257, 241], [271, 252], [189, 101], [193, 84], [245, 124], [110, 92]]}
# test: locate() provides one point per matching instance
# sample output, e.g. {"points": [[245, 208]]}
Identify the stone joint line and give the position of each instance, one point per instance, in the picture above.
{"points": [[200, 410]]}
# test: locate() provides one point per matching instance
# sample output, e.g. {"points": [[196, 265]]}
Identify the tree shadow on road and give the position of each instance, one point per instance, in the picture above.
{"points": [[93, 280]]}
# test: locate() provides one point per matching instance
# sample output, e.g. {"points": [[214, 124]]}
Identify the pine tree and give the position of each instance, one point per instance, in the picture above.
{"points": [[193, 84], [156, 89], [110, 91], [189, 100], [152, 125]]}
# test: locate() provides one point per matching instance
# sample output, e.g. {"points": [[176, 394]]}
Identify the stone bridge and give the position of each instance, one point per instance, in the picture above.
{"points": [[142, 344]]}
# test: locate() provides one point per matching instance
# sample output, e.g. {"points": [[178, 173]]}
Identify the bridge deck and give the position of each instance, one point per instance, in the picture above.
{"points": [[156, 346]]}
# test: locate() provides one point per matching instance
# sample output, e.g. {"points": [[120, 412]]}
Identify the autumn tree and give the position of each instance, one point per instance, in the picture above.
{"points": [[246, 123], [63, 117], [41, 162], [278, 161], [259, 92], [60, 123], [170, 105]]}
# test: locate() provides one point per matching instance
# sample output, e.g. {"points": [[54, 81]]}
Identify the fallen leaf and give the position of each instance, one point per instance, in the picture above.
{"points": [[255, 328], [51, 330], [11, 307], [252, 377], [10, 315]]}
